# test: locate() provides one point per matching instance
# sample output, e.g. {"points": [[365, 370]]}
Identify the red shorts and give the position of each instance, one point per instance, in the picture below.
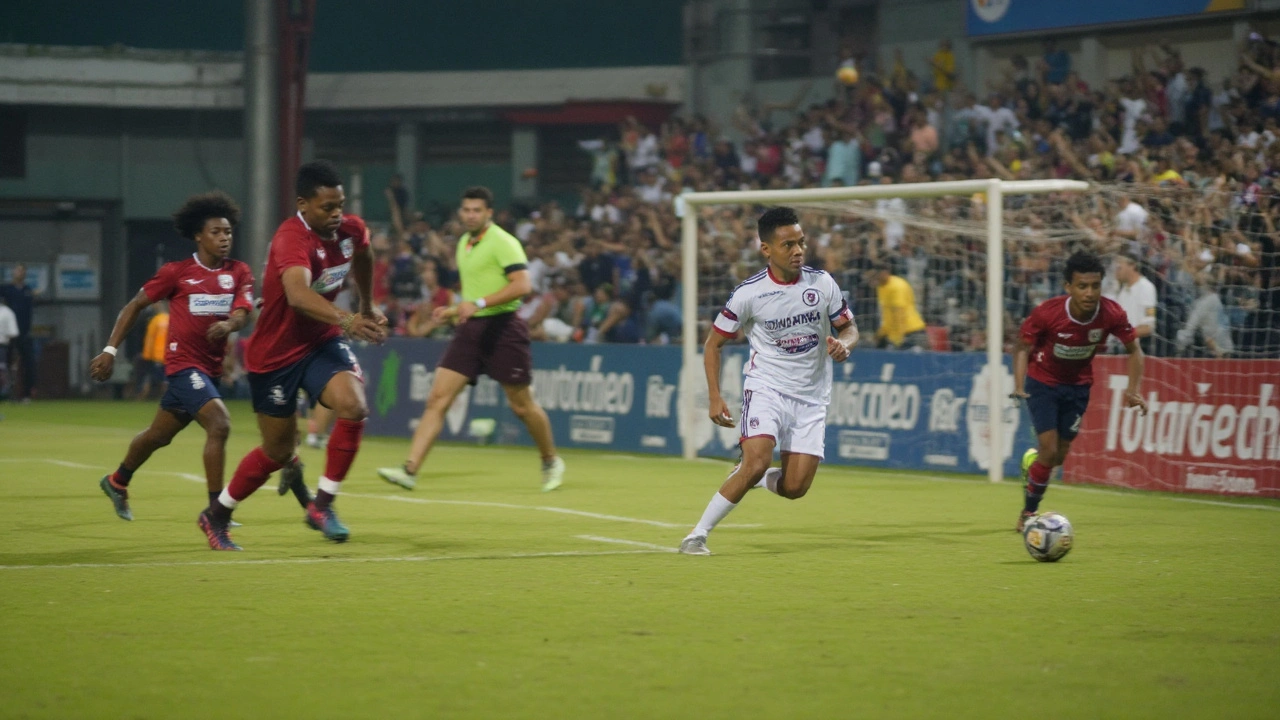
{"points": [[496, 345]]}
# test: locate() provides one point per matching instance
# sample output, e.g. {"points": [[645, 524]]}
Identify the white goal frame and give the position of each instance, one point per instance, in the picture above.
{"points": [[995, 191]]}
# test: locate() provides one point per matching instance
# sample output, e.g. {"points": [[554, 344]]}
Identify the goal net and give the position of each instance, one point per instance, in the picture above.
{"points": [[924, 402]]}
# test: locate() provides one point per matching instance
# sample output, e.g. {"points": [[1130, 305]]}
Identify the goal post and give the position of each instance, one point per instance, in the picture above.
{"points": [[995, 191]]}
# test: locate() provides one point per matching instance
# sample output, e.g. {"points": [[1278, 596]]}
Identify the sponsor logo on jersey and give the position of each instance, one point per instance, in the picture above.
{"points": [[226, 282], [347, 246], [331, 279], [1095, 335], [191, 281], [205, 304], [770, 294], [798, 344], [1073, 352], [804, 318], [810, 297], [1066, 336]]}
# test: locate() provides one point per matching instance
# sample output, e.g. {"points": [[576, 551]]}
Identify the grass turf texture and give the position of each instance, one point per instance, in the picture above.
{"points": [[878, 595]]}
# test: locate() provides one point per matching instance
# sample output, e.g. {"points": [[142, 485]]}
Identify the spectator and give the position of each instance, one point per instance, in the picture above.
{"points": [[844, 161], [597, 267], [153, 347], [398, 195], [1137, 295], [21, 298], [901, 326], [1056, 63], [943, 64], [1206, 326]]}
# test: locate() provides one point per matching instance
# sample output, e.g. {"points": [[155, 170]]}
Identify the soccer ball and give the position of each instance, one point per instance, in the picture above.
{"points": [[847, 75], [1048, 537]]}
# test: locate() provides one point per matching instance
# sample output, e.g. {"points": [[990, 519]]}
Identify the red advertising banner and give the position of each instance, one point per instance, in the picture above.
{"points": [[1214, 427]]}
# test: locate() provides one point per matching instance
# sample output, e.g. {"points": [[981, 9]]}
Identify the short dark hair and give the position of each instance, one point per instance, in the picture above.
{"points": [[479, 192], [189, 220], [774, 218], [1082, 262], [315, 175]]}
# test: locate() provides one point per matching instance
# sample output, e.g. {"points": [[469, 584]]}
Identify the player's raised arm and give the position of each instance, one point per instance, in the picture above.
{"points": [[296, 282], [1133, 394], [101, 366]]}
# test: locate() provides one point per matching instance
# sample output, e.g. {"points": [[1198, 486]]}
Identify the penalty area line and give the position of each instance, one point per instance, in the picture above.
{"points": [[325, 560], [634, 543]]}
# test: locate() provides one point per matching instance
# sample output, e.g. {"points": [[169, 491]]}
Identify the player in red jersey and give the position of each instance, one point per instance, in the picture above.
{"points": [[1052, 368], [210, 297], [300, 342]]}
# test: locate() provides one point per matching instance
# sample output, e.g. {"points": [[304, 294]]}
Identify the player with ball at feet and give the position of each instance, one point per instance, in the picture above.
{"points": [[797, 322], [1052, 369]]}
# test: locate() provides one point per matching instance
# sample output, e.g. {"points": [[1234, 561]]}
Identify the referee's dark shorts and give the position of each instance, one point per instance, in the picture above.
{"points": [[493, 345]]}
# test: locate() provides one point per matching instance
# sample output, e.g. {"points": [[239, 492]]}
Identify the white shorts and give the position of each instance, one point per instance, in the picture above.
{"points": [[794, 425]]}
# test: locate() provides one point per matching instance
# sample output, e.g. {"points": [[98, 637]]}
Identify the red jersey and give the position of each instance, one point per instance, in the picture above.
{"points": [[284, 336], [1062, 348], [198, 297]]}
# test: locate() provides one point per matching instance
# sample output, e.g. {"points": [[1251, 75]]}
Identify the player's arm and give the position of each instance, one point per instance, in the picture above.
{"points": [[1133, 394], [219, 330], [846, 337], [1021, 356], [297, 290], [719, 411], [101, 366], [362, 273]]}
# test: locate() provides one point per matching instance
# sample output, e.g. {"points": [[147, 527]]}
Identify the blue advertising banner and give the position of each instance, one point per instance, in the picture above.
{"points": [[919, 411], [999, 17]]}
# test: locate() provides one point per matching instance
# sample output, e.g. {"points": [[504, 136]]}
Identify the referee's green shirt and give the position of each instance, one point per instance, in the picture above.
{"points": [[483, 268]]}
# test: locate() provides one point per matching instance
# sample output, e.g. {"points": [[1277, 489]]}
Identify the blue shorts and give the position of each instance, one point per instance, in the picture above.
{"points": [[1056, 407], [275, 393], [188, 391]]}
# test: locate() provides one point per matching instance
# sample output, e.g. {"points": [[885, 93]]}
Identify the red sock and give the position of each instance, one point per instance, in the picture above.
{"points": [[253, 471], [1039, 474], [344, 443]]}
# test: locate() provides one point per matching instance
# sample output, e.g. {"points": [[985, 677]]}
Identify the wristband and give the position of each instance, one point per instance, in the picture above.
{"points": [[481, 304], [110, 350], [345, 322]]}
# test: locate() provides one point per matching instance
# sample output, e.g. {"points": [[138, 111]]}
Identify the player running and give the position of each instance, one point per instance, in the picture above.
{"points": [[1052, 368], [210, 297], [789, 312], [299, 343]]}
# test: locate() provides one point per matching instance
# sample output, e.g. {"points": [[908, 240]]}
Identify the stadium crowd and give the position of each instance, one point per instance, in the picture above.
{"points": [[1184, 172]]}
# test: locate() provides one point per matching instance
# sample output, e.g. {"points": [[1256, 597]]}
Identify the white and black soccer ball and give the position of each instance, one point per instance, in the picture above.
{"points": [[1048, 537]]}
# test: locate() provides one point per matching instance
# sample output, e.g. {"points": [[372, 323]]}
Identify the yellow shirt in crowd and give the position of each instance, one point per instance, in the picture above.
{"points": [[157, 336], [898, 314], [944, 70]]}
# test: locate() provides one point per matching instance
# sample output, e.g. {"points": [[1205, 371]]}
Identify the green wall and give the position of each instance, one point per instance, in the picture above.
{"points": [[380, 35]]}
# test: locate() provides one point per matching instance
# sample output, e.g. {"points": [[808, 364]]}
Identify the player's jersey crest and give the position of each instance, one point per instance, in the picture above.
{"points": [[320, 253], [226, 282], [347, 246], [1095, 335], [810, 297]]}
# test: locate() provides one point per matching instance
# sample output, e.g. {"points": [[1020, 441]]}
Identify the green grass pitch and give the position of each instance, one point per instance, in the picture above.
{"points": [[476, 596]]}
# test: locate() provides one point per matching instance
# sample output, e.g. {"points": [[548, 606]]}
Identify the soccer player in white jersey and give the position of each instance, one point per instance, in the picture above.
{"points": [[797, 322]]}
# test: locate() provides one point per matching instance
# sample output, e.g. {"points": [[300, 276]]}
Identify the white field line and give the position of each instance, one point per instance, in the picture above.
{"points": [[321, 561], [426, 501], [540, 508], [848, 470], [633, 543]]}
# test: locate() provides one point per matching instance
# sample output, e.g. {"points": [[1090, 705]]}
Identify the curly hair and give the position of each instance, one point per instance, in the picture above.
{"points": [[774, 218], [191, 217], [1084, 263], [315, 175]]}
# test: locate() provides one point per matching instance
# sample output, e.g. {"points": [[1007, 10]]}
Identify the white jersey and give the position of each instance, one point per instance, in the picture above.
{"points": [[787, 325]]}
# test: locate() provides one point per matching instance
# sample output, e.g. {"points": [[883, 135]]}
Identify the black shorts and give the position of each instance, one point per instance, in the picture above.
{"points": [[1057, 407], [275, 393], [495, 345], [189, 390]]}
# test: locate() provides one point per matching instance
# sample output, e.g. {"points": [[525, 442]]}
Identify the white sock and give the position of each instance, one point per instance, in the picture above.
{"points": [[328, 485], [312, 439], [226, 500], [716, 511], [770, 480]]}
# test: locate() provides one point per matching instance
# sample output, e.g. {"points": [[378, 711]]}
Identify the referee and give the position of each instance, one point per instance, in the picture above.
{"points": [[491, 339]]}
